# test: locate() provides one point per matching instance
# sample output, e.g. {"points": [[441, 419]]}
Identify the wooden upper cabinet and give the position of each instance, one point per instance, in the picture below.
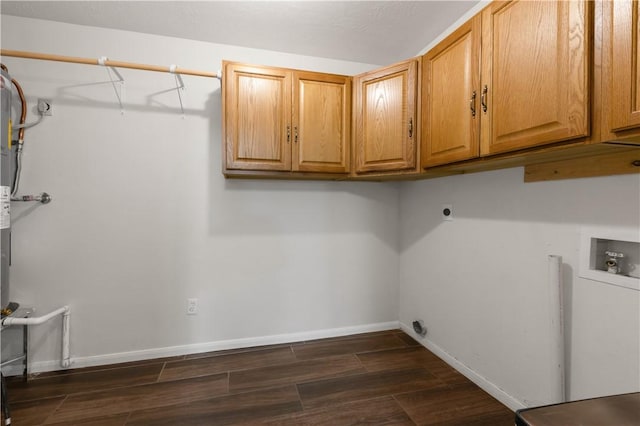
{"points": [[451, 97], [620, 70], [385, 118], [257, 111], [321, 122], [535, 74], [285, 120]]}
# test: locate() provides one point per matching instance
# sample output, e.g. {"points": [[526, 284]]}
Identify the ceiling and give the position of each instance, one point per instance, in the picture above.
{"points": [[374, 32]]}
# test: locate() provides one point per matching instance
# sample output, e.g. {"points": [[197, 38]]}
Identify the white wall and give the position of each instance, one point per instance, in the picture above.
{"points": [[142, 218], [480, 282]]}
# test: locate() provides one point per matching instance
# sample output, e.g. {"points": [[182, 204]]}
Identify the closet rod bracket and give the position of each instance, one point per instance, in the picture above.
{"points": [[119, 80], [179, 85]]}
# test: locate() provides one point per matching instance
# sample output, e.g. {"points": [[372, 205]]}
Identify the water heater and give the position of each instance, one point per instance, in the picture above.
{"points": [[5, 188]]}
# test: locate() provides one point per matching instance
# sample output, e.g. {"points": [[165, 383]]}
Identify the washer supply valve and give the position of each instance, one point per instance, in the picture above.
{"points": [[613, 261], [44, 198]]}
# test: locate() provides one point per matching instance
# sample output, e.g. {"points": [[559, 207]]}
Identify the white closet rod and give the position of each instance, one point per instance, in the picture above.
{"points": [[109, 63]]}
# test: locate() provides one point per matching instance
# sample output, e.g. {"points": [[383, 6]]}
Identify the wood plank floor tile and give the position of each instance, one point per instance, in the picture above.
{"points": [[378, 411], [236, 351], [223, 363], [30, 413], [347, 346], [115, 420], [349, 336], [249, 407], [410, 341], [365, 386], [140, 363], [297, 372], [374, 378], [412, 357], [122, 400], [455, 405], [495, 419], [65, 384]]}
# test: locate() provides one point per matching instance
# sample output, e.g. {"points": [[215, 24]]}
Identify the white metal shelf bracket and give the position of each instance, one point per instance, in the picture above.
{"points": [[179, 85], [117, 83]]}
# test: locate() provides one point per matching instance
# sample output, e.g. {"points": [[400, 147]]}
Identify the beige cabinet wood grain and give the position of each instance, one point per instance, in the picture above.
{"points": [[385, 126], [535, 74], [285, 120], [450, 97], [257, 113], [321, 122], [620, 70]]}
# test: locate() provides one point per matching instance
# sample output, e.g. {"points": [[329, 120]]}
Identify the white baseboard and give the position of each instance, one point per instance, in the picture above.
{"points": [[486, 385], [115, 358]]}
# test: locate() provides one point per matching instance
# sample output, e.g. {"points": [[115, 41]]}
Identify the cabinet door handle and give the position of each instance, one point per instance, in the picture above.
{"points": [[411, 127], [295, 134], [288, 134], [472, 104], [483, 98]]}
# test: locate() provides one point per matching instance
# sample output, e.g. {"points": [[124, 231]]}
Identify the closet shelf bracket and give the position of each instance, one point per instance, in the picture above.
{"points": [[179, 85], [117, 83]]}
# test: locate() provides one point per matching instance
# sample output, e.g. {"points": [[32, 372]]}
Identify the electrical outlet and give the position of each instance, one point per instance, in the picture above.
{"points": [[45, 107], [192, 306]]}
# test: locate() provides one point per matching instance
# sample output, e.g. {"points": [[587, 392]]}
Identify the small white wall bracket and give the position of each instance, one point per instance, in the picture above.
{"points": [[179, 85], [117, 83]]}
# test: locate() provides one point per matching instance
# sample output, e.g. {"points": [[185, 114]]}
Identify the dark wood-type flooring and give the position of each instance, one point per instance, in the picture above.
{"points": [[383, 378]]}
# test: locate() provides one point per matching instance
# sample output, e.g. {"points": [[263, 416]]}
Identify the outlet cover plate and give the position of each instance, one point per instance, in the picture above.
{"points": [[192, 306]]}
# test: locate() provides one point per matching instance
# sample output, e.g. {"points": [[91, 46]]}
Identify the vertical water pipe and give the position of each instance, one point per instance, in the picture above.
{"points": [[66, 357], [557, 330]]}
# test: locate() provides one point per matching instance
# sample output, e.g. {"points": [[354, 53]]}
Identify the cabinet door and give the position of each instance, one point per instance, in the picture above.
{"points": [[621, 74], [385, 118], [257, 111], [534, 74], [321, 122], [451, 98]]}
